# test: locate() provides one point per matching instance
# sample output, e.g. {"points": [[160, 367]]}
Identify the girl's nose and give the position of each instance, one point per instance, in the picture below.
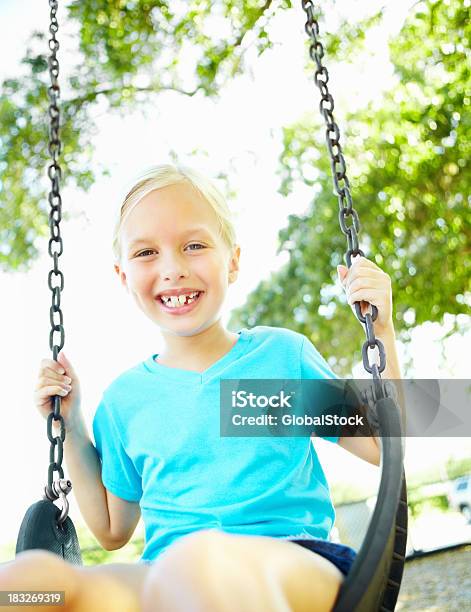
{"points": [[174, 267], [170, 276]]}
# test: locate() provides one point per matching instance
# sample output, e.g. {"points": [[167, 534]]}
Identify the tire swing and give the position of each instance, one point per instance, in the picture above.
{"points": [[374, 579], [44, 525]]}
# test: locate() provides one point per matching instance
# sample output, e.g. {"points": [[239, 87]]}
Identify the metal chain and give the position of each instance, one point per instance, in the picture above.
{"points": [[342, 189], [61, 487]]}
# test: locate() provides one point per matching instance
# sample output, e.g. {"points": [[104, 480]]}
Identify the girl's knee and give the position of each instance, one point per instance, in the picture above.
{"points": [[182, 577], [39, 561], [192, 557], [38, 569]]}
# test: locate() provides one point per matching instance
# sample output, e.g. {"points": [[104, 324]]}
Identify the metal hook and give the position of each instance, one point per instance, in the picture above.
{"points": [[60, 488]]}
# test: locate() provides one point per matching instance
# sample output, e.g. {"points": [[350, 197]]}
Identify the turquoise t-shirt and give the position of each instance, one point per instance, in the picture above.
{"points": [[157, 434]]}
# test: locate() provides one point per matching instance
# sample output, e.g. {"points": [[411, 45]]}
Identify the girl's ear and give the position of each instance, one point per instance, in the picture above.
{"points": [[122, 275], [234, 264]]}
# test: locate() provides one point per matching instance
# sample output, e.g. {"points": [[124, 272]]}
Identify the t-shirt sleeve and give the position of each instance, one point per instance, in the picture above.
{"points": [[314, 366], [118, 472]]}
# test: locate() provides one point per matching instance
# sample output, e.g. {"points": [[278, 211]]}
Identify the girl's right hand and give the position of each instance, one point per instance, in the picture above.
{"points": [[58, 378]]}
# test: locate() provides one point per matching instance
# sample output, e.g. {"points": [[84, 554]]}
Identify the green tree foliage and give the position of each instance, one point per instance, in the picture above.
{"points": [[455, 468], [408, 163]]}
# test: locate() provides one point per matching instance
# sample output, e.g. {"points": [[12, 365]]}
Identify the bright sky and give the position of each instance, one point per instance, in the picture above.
{"points": [[105, 333]]}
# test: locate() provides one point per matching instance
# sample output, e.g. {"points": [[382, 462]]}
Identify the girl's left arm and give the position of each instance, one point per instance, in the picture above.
{"points": [[366, 282]]}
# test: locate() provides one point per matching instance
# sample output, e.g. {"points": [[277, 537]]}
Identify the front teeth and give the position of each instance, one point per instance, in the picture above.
{"points": [[178, 300]]}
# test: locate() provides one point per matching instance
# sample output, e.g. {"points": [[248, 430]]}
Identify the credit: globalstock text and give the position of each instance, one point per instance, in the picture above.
{"points": [[291, 419]]}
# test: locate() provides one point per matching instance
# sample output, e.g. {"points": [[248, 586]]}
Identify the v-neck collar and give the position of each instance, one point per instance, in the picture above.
{"points": [[191, 376]]}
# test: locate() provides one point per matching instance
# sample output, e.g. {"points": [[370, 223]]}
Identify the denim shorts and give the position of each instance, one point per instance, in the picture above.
{"points": [[340, 555]]}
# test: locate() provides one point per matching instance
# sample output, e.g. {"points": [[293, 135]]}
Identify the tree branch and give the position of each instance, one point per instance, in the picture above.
{"points": [[91, 96]]}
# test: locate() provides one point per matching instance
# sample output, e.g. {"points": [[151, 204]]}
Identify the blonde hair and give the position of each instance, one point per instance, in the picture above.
{"points": [[166, 175]]}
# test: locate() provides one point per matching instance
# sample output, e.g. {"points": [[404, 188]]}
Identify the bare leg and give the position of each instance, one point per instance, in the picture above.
{"points": [[216, 571], [103, 588], [204, 571]]}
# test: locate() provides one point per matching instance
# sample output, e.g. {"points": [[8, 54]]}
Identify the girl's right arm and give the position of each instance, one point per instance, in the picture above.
{"points": [[81, 456], [111, 520]]}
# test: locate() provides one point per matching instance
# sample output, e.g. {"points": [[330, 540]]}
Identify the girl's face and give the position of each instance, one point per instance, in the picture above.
{"points": [[170, 242]]}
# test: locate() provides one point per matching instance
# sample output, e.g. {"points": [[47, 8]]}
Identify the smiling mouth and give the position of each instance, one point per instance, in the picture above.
{"points": [[175, 306]]}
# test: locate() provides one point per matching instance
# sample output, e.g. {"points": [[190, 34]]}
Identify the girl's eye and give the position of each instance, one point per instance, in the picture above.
{"points": [[193, 244]]}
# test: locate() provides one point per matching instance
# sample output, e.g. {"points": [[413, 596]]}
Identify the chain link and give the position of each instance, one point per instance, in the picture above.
{"points": [[55, 279], [342, 190]]}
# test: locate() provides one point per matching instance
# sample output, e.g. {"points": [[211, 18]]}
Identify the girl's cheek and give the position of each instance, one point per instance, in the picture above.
{"points": [[138, 277]]}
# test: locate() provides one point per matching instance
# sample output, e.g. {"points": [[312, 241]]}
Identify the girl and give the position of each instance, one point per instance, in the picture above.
{"points": [[231, 523]]}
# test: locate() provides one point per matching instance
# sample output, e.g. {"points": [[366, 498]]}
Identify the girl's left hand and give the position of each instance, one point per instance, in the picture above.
{"points": [[366, 282]]}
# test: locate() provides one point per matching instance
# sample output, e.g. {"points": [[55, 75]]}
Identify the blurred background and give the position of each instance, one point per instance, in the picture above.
{"points": [[227, 87]]}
